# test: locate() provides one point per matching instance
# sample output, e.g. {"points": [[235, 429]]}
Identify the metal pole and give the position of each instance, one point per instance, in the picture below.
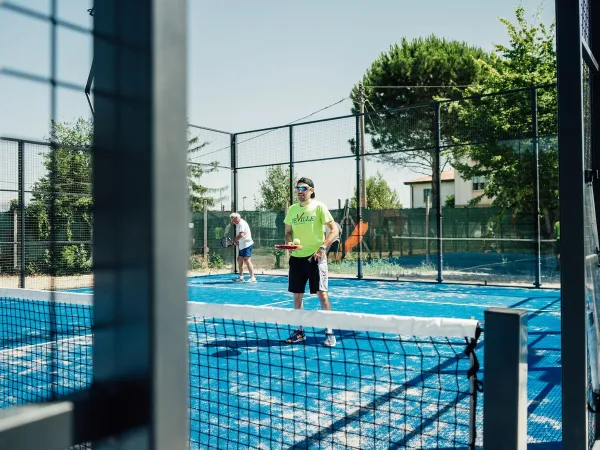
{"points": [[572, 217], [205, 234], [361, 106], [594, 24], [291, 165], [234, 197], [140, 364], [15, 237], [345, 224], [536, 190], [505, 366], [22, 212], [358, 200], [438, 200]]}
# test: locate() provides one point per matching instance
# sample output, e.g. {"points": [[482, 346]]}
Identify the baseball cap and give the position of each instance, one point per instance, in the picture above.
{"points": [[309, 182]]}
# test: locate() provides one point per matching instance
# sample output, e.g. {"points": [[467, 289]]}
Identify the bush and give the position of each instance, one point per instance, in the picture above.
{"points": [[195, 262], [74, 260], [215, 261], [278, 254]]}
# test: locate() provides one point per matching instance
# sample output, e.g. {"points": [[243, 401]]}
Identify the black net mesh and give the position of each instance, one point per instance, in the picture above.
{"points": [[249, 388]]}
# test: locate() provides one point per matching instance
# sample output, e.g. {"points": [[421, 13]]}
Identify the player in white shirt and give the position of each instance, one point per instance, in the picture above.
{"points": [[243, 239]]}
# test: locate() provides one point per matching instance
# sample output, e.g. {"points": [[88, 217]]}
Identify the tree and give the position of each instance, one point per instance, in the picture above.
{"points": [[68, 186], [274, 191], [406, 138], [379, 194], [502, 124], [198, 193], [69, 176]]}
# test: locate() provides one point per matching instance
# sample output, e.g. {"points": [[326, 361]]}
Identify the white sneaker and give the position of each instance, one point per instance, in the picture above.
{"points": [[330, 340], [251, 280], [240, 279]]}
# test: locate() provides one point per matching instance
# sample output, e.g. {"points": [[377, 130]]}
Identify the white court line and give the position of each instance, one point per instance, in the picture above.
{"points": [[279, 303], [397, 300], [41, 344]]}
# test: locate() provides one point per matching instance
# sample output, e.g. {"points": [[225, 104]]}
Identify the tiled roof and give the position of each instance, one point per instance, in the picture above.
{"points": [[447, 175]]}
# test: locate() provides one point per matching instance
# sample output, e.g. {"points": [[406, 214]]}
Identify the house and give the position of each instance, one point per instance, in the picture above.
{"points": [[452, 184]]}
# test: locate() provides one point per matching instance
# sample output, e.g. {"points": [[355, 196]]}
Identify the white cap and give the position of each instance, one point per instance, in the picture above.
{"points": [[234, 214]]}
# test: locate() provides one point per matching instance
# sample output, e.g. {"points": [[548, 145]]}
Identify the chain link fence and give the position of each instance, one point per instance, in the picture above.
{"points": [[498, 228]]}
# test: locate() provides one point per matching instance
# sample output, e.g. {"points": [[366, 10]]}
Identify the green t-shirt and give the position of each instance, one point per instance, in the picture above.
{"points": [[557, 230], [307, 225]]}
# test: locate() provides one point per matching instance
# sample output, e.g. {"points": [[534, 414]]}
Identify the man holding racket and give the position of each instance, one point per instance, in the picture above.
{"points": [[243, 239], [304, 222]]}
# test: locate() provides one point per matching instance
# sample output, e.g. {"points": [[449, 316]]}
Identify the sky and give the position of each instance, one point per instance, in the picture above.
{"points": [[250, 65]]}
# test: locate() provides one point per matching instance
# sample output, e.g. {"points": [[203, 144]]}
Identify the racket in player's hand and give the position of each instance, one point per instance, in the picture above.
{"points": [[226, 242], [290, 245]]}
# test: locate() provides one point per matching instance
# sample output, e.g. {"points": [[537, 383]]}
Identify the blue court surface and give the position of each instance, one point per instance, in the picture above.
{"points": [[248, 389]]}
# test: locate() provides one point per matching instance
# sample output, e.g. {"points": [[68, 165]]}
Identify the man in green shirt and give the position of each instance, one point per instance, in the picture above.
{"points": [[305, 221]]}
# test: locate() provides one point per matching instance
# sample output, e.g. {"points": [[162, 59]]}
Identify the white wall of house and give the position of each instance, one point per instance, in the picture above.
{"points": [[464, 193], [418, 193]]}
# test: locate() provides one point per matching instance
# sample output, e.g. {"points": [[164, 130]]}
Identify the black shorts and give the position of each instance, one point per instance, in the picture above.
{"points": [[307, 269], [334, 247]]}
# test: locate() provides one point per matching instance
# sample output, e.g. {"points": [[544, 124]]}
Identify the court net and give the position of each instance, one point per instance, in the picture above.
{"points": [[390, 382]]}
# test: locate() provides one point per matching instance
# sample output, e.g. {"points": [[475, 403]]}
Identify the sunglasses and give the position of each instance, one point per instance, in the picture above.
{"points": [[302, 188]]}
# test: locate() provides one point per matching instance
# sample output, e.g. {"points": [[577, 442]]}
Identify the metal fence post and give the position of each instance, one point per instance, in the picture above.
{"points": [[438, 201], [536, 189], [291, 165], [594, 23], [21, 177], [572, 216], [234, 196], [359, 227], [505, 366], [140, 351]]}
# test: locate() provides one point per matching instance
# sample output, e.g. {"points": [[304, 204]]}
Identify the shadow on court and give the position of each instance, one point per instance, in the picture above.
{"points": [[315, 340]]}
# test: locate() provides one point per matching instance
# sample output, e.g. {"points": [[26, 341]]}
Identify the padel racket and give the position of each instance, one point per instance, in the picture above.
{"points": [[226, 242], [288, 247]]}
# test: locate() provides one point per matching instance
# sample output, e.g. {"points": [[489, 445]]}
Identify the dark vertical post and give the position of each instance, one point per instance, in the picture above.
{"points": [[234, 197], [572, 218], [345, 225], [53, 197], [505, 366], [438, 201], [536, 189], [234, 173], [359, 227], [22, 213], [594, 21], [141, 224], [291, 165], [594, 27]]}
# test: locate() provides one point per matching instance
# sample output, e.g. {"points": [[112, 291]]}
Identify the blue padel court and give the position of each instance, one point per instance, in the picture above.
{"points": [[248, 388]]}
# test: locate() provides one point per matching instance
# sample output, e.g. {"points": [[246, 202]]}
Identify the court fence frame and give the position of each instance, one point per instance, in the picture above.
{"points": [[444, 133], [578, 51], [442, 126]]}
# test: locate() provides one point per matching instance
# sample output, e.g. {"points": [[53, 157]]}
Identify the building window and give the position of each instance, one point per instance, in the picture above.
{"points": [[478, 183], [426, 193]]}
